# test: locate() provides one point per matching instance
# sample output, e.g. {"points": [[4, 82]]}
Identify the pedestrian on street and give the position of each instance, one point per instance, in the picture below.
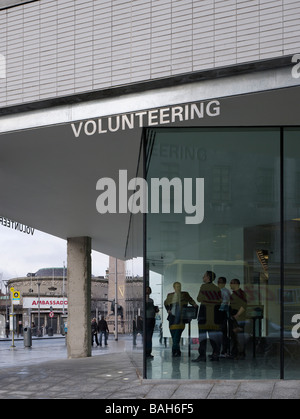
{"points": [[103, 330], [137, 328], [94, 327]]}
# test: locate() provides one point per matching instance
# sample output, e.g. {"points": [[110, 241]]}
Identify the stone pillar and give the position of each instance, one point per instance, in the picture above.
{"points": [[79, 297]]}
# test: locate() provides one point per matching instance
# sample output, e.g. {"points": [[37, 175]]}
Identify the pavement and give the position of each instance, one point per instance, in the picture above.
{"points": [[113, 373]]}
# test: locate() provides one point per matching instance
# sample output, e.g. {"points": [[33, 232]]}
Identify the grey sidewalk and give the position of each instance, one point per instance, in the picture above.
{"points": [[111, 374]]}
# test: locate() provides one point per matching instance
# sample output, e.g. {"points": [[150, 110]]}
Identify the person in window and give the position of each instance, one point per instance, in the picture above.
{"points": [[151, 311], [238, 306], [174, 304], [224, 312], [209, 319]]}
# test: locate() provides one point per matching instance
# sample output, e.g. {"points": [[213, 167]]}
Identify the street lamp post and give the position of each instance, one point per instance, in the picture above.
{"points": [[6, 301], [116, 299], [63, 293], [39, 309], [6, 309]]}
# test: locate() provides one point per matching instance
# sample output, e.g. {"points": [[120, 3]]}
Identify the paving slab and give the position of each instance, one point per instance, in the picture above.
{"points": [[114, 374]]}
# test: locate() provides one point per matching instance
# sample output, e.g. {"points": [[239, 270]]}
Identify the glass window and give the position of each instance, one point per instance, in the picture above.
{"points": [[223, 222], [291, 290], [134, 291]]}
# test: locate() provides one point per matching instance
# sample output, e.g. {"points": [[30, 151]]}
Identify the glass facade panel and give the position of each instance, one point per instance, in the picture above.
{"points": [[214, 211], [134, 301], [291, 290]]}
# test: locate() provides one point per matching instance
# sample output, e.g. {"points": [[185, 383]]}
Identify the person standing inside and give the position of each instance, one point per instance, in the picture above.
{"points": [[174, 304], [238, 306], [151, 311], [224, 312], [103, 330], [210, 300]]}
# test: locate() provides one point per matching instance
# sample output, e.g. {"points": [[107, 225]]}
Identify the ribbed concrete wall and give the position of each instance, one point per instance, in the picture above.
{"points": [[56, 48]]}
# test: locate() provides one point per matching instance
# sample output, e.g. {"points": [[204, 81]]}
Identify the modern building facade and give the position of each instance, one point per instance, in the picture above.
{"points": [[121, 94]]}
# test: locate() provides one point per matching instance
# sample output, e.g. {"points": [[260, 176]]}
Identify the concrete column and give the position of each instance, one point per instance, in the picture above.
{"points": [[79, 297]]}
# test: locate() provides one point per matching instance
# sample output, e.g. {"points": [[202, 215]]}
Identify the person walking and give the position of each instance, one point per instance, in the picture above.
{"points": [[103, 330], [94, 328], [137, 328]]}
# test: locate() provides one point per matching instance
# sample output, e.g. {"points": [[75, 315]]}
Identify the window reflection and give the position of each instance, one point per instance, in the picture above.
{"points": [[239, 240], [176, 304], [291, 290]]}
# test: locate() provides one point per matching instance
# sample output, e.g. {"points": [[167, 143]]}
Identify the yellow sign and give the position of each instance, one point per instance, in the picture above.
{"points": [[15, 294]]}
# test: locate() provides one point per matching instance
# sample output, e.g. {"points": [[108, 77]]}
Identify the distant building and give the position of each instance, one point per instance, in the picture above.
{"points": [[49, 286]]}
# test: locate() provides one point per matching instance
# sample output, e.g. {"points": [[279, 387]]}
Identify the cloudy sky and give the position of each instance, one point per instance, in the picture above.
{"points": [[21, 253]]}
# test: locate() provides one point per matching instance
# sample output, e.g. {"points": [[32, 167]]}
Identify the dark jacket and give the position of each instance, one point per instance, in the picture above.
{"points": [[238, 299], [210, 298], [102, 326], [94, 328]]}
